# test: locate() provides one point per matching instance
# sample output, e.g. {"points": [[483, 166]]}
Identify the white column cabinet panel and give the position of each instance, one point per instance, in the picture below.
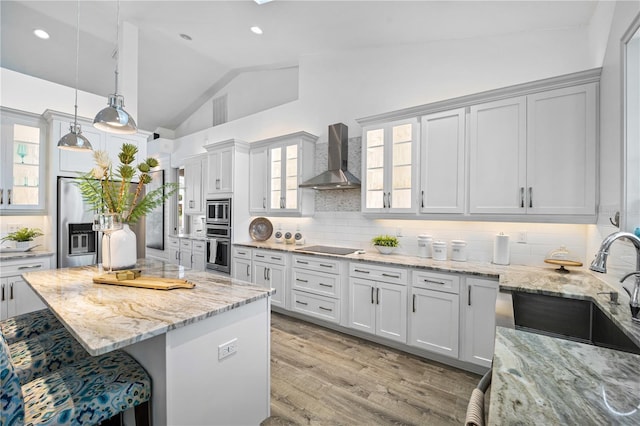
{"points": [[561, 150], [478, 333], [498, 157], [442, 166]]}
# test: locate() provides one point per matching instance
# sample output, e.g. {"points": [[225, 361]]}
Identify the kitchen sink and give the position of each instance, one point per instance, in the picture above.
{"points": [[572, 319]]}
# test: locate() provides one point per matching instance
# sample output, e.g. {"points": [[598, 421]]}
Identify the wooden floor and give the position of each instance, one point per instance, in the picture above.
{"points": [[322, 377]]}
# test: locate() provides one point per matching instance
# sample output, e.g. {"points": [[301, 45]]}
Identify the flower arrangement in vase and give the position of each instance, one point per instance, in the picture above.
{"points": [[385, 244], [108, 192]]}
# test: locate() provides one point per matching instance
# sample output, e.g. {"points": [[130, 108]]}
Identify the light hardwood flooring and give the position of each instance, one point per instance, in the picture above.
{"points": [[322, 377]]}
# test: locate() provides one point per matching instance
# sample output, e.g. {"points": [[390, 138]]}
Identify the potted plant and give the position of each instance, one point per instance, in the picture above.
{"points": [[23, 237], [385, 244]]}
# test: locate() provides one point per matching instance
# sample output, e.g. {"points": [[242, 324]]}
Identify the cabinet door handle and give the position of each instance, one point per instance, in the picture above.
{"points": [[433, 282], [218, 183], [384, 200], [8, 196], [530, 197], [325, 285], [522, 197], [372, 300], [390, 275], [422, 200], [282, 202], [264, 202], [269, 274], [30, 267], [469, 296], [10, 291], [3, 298], [1, 196], [414, 303], [302, 262], [377, 296], [301, 280], [248, 271], [301, 303], [325, 309], [388, 200], [361, 271], [264, 273]]}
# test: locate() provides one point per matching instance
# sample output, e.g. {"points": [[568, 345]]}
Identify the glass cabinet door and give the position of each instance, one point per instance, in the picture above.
{"points": [[283, 192], [275, 183], [401, 167], [375, 169], [22, 162], [291, 167]]}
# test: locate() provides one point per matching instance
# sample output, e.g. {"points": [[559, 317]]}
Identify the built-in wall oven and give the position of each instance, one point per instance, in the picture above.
{"points": [[218, 231]]}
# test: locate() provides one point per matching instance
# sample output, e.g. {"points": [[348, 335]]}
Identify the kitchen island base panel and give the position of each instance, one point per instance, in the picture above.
{"points": [[192, 386]]}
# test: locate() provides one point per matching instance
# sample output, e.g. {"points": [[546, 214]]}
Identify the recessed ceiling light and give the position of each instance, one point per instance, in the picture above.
{"points": [[186, 37], [256, 30], [41, 33], [262, 1]]}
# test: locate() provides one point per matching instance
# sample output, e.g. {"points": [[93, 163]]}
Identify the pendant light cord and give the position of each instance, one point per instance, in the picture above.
{"points": [[117, 40], [75, 114]]}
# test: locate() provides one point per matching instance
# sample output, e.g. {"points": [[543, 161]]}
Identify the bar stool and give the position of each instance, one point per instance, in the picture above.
{"points": [[475, 409], [28, 325], [44, 354], [88, 391]]}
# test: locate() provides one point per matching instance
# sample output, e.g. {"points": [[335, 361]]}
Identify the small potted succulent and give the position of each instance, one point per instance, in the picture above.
{"points": [[23, 237], [385, 244]]}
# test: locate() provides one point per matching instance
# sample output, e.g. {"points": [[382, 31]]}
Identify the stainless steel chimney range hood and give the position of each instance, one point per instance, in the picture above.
{"points": [[337, 177]]}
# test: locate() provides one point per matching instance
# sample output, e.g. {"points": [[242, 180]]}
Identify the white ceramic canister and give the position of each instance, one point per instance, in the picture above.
{"points": [[439, 250], [424, 245], [459, 250]]}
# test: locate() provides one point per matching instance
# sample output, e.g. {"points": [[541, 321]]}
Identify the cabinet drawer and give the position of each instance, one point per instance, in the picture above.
{"points": [[185, 244], [316, 306], [199, 246], [378, 273], [325, 284], [174, 242], [275, 258], [19, 268], [242, 253], [317, 264], [434, 281]]}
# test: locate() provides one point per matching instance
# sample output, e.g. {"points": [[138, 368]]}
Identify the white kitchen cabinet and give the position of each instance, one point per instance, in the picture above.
{"points": [[435, 312], [289, 162], [220, 169], [561, 151], [478, 302], [258, 180], [16, 296], [23, 162], [270, 270], [535, 154], [389, 164], [199, 255], [378, 303], [442, 166], [174, 250], [241, 266], [194, 171], [186, 253], [316, 287]]}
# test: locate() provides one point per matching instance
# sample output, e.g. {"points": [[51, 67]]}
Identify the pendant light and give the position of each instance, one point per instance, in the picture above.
{"points": [[74, 140], [114, 119]]}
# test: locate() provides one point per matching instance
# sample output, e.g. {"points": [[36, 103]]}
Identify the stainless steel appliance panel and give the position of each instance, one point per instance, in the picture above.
{"points": [[219, 212]]}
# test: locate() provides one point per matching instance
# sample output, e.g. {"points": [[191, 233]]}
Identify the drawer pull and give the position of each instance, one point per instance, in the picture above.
{"points": [[242, 252], [325, 285], [302, 262], [324, 265], [302, 281], [361, 271], [390, 275], [434, 282], [30, 267], [325, 309], [259, 255], [301, 303], [276, 258]]}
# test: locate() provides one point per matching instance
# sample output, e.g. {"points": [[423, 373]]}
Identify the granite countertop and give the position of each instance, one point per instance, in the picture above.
{"points": [[200, 237], [25, 254], [108, 317], [541, 380]]}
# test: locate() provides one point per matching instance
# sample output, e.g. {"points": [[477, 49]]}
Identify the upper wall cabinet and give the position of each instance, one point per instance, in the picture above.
{"points": [[389, 164], [278, 166], [23, 164], [535, 154], [195, 169], [442, 162], [226, 166]]}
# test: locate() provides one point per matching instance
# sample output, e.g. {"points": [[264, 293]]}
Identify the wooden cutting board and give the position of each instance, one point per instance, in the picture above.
{"points": [[156, 283]]}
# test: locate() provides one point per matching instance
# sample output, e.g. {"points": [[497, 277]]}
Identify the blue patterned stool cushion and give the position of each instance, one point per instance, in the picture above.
{"points": [[87, 392], [29, 325], [11, 405], [43, 354]]}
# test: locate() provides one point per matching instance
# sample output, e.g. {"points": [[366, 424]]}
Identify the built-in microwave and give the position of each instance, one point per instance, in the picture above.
{"points": [[219, 212]]}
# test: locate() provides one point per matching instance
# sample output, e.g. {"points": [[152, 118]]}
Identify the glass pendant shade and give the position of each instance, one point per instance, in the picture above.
{"points": [[114, 119], [74, 140]]}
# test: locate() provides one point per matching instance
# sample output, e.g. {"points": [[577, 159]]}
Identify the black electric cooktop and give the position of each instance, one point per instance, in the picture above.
{"points": [[328, 250]]}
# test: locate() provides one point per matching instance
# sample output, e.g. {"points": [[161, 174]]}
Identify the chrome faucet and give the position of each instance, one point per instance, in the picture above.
{"points": [[599, 264]]}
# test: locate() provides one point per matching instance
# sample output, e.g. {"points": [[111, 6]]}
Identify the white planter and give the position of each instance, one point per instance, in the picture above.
{"points": [[385, 249], [123, 249]]}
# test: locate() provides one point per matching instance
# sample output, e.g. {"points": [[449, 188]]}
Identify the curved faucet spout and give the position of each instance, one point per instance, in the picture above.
{"points": [[599, 264]]}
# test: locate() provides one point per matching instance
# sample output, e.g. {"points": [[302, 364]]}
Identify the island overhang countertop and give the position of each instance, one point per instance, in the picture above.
{"points": [[105, 317]]}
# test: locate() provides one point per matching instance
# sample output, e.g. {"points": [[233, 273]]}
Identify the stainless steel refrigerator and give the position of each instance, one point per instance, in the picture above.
{"points": [[78, 244]]}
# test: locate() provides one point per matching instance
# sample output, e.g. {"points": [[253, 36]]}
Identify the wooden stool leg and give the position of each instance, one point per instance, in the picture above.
{"points": [[143, 414]]}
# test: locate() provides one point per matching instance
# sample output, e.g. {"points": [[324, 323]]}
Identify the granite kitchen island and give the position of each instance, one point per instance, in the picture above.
{"points": [[182, 337]]}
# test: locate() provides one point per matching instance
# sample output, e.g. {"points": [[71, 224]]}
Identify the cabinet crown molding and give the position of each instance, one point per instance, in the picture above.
{"points": [[565, 80], [302, 135], [226, 144]]}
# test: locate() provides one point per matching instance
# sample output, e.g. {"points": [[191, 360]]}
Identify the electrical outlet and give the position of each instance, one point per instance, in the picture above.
{"points": [[226, 349], [522, 237]]}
